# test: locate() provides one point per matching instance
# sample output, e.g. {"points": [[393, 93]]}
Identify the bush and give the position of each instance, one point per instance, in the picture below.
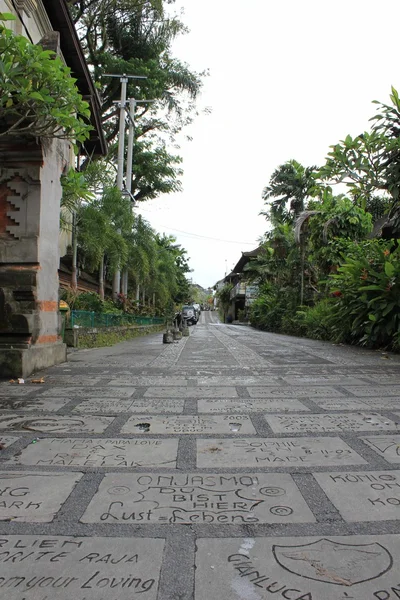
{"points": [[318, 322], [367, 286], [88, 301]]}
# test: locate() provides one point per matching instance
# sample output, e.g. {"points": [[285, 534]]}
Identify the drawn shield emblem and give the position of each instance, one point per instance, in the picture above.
{"points": [[334, 562]]}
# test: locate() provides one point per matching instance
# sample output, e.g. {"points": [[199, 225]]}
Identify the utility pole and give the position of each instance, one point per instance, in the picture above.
{"points": [[129, 167], [121, 150]]}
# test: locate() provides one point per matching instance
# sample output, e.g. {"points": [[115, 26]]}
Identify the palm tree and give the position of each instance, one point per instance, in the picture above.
{"points": [[289, 188]]}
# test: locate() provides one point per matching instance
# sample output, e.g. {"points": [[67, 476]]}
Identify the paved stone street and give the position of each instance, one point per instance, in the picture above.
{"points": [[233, 465]]}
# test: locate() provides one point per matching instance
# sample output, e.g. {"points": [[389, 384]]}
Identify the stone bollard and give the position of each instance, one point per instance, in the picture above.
{"points": [[185, 332], [168, 337], [177, 334]]}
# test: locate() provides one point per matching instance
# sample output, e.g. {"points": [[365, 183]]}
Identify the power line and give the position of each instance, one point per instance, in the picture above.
{"points": [[205, 237]]}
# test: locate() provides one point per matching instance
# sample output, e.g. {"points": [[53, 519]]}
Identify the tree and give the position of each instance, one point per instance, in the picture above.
{"points": [[369, 164], [290, 186], [38, 95]]}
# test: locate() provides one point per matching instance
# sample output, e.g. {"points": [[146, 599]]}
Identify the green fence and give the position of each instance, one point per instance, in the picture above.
{"points": [[87, 318]]}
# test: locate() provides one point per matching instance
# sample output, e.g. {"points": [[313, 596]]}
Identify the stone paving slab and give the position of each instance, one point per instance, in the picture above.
{"points": [[294, 392], [189, 392], [75, 380], [100, 452], [369, 390], [55, 423], [65, 568], [330, 423], [322, 380], [245, 380], [387, 446], [157, 405], [363, 496], [383, 378], [33, 404], [249, 405], [198, 499], [298, 568], [103, 405], [91, 392], [147, 381], [7, 440], [188, 424], [18, 391], [358, 404], [34, 497], [275, 453]]}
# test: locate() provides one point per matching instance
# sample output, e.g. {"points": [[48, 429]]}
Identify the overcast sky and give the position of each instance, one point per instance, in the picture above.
{"points": [[288, 78]]}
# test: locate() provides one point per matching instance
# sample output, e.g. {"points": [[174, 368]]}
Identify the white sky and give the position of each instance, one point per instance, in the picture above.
{"points": [[287, 79]]}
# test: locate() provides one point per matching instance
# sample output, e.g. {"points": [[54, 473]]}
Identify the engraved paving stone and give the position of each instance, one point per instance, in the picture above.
{"points": [[16, 390], [368, 390], [198, 392], [90, 392], [322, 380], [189, 424], [55, 423], [147, 381], [387, 446], [61, 568], [198, 498], [103, 405], [330, 422], [299, 568], [108, 452], [157, 405], [358, 404], [246, 380], [33, 404], [211, 405], [34, 497], [294, 392], [276, 453], [7, 440], [363, 496]]}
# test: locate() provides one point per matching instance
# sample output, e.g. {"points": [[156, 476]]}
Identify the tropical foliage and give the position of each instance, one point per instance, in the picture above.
{"points": [[38, 96], [331, 263]]}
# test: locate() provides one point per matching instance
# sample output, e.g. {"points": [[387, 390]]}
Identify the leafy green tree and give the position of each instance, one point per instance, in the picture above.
{"points": [[369, 164], [288, 190], [38, 95]]}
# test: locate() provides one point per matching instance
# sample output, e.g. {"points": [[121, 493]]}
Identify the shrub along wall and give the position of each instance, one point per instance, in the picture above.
{"points": [[88, 337]]}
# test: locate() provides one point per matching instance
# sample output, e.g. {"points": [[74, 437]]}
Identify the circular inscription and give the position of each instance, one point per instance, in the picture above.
{"points": [[272, 491], [281, 511], [118, 490]]}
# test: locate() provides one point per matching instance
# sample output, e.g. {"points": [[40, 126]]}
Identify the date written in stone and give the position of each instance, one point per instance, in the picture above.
{"points": [[251, 405], [330, 422], [61, 568], [363, 496], [283, 452], [108, 452], [197, 498], [189, 424]]}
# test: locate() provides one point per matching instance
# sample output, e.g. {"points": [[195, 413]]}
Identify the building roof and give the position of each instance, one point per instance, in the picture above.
{"points": [[245, 258], [61, 21]]}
